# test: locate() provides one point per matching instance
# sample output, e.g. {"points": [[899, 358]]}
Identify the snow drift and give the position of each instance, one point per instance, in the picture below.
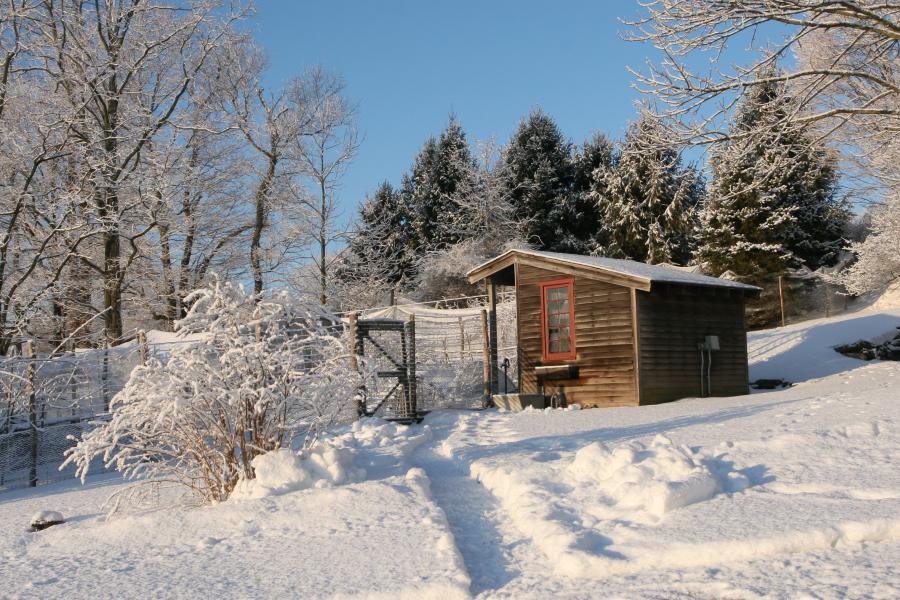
{"points": [[336, 460]]}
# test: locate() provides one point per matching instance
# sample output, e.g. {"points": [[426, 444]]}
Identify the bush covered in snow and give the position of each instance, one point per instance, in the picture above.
{"points": [[879, 257], [265, 373]]}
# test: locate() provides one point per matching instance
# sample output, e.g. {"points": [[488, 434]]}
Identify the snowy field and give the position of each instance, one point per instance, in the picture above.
{"points": [[789, 493]]}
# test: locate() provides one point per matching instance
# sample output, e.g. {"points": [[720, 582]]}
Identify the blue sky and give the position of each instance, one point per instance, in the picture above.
{"points": [[409, 64]]}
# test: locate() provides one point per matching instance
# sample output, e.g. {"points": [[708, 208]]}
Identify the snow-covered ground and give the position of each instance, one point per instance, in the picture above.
{"points": [[789, 493]]}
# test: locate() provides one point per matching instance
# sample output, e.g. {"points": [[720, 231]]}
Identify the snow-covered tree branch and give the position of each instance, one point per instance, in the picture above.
{"points": [[844, 76]]}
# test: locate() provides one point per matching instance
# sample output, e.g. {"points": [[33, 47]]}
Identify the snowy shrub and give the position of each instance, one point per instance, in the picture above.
{"points": [[442, 273], [879, 253], [264, 375]]}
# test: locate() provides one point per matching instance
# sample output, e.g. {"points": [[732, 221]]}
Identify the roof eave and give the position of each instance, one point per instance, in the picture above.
{"points": [[511, 257]]}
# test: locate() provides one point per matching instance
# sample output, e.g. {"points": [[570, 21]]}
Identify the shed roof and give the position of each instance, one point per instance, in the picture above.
{"points": [[632, 273]]}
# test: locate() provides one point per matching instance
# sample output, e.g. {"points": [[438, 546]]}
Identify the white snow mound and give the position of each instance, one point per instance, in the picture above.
{"points": [[46, 516], [282, 470], [330, 462], [644, 480]]}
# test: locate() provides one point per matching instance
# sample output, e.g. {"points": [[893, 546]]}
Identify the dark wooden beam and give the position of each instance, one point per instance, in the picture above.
{"points": [[492, 325]]}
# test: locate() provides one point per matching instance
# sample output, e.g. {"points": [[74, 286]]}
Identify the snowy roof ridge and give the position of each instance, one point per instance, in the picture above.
{"points": [[631, 268]]}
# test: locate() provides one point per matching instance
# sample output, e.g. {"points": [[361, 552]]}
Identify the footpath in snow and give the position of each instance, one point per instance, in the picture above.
{"points": [[353, 519], [789, 493]]}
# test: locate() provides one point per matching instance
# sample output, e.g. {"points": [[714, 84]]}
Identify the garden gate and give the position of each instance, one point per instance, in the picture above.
{"points": [[389, 349]]}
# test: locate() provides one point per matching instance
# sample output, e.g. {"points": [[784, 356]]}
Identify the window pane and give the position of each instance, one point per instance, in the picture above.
{"points": [[557, 319]]}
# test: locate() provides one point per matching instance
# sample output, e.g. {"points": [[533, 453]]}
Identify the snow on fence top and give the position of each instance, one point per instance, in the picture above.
{"points": [[627, 268]]}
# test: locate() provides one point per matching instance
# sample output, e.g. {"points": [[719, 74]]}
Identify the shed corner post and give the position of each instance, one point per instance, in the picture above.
{"points": [[485, 360], [492, 325], [636, 345]]}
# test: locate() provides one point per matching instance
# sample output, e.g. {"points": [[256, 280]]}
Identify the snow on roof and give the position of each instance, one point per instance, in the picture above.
{"points": [[631, 268]]}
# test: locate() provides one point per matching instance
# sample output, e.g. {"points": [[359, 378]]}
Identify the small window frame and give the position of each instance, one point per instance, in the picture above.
{"points": [[569, 285]]}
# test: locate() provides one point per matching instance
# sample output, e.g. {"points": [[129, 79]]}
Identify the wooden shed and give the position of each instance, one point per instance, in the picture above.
{"points": [[607, 332]]}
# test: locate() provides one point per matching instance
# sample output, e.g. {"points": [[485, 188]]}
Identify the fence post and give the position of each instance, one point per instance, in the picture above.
{"points": [[462, 340], [142, 346], [486, 359], [412, 409], [354, 364], [28, 354], [781, 296], [73, 383]]}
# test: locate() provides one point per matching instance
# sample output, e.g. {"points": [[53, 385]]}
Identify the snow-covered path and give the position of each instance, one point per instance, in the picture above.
{"points": [[472, 513], [790, 493]]}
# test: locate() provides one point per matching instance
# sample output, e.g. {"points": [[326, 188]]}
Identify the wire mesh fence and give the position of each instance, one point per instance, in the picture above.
{"points": [[796, 296], [450, 352], [46, 399]]}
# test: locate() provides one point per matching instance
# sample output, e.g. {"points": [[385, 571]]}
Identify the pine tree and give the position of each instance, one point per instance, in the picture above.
{"points": [[773, 200], [538, 176], [382, 246], [592, 163], [648, 201], [443, 178]]}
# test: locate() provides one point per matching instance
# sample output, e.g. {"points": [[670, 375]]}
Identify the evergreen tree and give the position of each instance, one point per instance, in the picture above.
{"points": [[592, 163], [538, 176], [648, 201], [773, 200], [382, 247], [443, 179]]}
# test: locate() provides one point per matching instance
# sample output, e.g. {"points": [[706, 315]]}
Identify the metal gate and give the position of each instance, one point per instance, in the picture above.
{"points": [[388, 349]]}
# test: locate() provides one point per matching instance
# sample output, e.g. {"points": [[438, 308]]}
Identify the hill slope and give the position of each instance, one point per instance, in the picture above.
{"points": [[773, 494]]}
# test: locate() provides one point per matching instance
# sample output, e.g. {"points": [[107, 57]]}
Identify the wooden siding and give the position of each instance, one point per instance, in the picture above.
{"points": [[604, 340], [672, 320]]}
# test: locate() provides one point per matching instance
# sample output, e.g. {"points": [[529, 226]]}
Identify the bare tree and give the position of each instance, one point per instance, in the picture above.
{"points": [[198, 202], [124, 68], [38, 225], [845, 83], [324, 152], [270, 122]]}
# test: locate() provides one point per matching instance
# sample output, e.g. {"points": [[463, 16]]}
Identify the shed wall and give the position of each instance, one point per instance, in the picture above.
{"points": [[604, 340], [672, 320]]}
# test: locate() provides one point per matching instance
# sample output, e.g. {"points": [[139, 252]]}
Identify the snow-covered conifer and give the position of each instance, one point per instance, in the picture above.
{"points": [[648, 201], [773, 199], [595, 157], [538, 174], [443, 178], [380, 255]]}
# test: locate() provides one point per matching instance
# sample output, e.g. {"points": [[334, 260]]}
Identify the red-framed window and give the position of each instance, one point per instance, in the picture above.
{"points": [[558, 319]]}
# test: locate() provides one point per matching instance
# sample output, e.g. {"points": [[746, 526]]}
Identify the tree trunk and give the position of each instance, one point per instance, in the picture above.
{"points": [[323, 271], [259, 224], [112, 287], [171, 303]]}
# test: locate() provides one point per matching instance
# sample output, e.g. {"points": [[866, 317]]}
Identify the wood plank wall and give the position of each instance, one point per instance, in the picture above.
{"points": [[604, 340], [672, 320]]}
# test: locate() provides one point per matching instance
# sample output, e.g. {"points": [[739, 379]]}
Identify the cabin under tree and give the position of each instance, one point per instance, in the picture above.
{"points": [[607, 332]]}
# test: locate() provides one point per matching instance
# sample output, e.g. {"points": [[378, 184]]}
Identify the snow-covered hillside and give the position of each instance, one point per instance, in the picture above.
{"points": [[790, 493]]}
